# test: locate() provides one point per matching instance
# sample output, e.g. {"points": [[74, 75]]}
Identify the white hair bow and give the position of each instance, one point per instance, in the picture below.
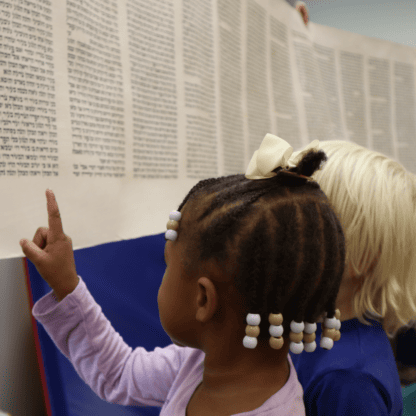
{"points": [[274, 152]]}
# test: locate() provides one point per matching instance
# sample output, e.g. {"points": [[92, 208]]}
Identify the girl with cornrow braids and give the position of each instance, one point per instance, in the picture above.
{"points": [[253, 262], [375, 200]]}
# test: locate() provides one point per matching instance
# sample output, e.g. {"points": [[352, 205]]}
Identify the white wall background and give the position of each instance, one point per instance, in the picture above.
{"points": [[20, 388], [389, 20]]}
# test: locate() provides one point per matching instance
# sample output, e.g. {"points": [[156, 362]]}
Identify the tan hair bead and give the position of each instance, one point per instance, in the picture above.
{"points": [[276, 343], [329, 332], [337, 314], [275, 319], [309, 337], [337, 335], [296, 337], [252, 331], [172, 225]]}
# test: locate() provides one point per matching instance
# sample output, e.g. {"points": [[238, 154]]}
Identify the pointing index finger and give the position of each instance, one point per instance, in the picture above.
{"points": [[54, 217]]}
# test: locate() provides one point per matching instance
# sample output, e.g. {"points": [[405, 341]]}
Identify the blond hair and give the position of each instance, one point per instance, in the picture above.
{"points": [[374, 198]]}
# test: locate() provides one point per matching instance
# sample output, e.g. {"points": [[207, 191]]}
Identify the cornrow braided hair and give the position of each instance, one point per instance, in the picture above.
{"points": [[282, 236]]}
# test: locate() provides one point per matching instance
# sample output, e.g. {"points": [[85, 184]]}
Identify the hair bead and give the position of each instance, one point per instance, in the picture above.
{"points": [[276, 343], [252, 331], [308, 338], [276, 330], [296, 347], [171, 235], [250, 342], [172, 225], [296, 337], [253, 319], [330, 322], [310, 346], [175, 216], [297, 327], [329, 332], [326, 343], [310, 328], [276, 319]]}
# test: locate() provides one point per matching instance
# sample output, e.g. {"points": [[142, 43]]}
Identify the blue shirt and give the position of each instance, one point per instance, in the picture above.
{"points": [[358, 376]]}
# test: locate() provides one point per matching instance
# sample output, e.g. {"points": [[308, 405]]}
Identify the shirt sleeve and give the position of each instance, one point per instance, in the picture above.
{"points": [[115, 372], [342, 393]]}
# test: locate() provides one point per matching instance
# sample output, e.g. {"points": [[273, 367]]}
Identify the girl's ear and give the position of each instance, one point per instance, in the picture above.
{"points": [[207, 300]]}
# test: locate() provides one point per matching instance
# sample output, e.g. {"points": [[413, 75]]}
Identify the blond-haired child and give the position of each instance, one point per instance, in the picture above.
{"points": [[374, 197]]}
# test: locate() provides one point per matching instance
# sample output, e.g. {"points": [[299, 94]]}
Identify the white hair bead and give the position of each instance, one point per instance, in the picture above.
{"points": [[175, 215], [171, 235], [250, 342], [296, 347], [276, 330], [310, 346], [297, 327], [338, 325], [330, 322], [327, 343], [310, 328], [253, 319]]}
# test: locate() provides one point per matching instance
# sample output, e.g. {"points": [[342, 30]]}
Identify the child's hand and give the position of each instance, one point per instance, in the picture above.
{"points": [[303, 10], [51, 252]]}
